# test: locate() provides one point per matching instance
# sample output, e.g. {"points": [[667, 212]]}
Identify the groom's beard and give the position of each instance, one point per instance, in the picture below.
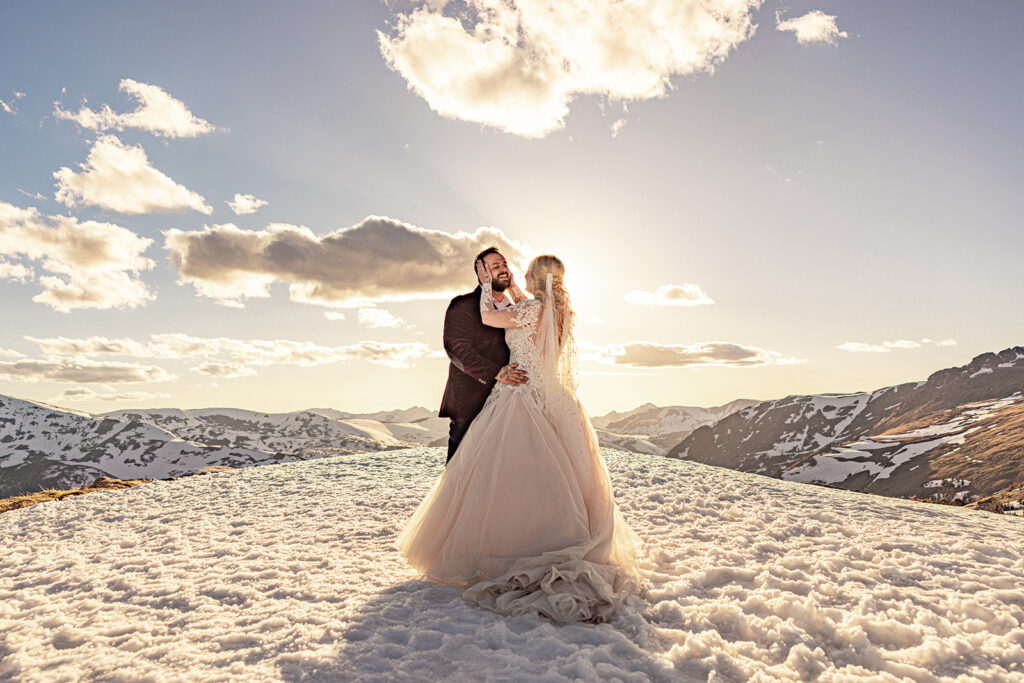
{"points": [[500, 283]]}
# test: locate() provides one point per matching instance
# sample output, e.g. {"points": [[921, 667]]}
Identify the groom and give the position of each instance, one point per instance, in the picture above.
{"points": [[478, 354]]}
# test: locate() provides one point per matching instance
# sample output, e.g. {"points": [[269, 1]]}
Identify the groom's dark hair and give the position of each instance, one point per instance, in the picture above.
{"points": [[485, 252]]}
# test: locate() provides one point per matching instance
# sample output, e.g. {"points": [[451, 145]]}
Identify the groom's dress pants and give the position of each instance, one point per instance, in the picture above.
{"points": [[456, 430]]}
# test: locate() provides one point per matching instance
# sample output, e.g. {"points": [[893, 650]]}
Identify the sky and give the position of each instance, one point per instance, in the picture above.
{"points": [[268, 206]]}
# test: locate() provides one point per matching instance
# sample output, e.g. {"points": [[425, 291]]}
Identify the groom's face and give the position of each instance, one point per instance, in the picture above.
{"points": [[501, 276]]}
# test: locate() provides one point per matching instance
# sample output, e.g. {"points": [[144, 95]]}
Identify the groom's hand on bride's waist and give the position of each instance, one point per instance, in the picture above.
{"points": [[511, 374]]}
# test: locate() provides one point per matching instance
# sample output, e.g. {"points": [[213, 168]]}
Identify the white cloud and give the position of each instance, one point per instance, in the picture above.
{"points": [[642, 354], [887, 346], [617, 127], [671, 295], [118, 177], [15, 271], [517, 64], [10, 353], [813, 27], [82, 370], [334, 315], [11, 106], [224, 370], [92, 264], [378, 317], [157, 112], [38, 196], [236, 355], [244, 204], [108, 394], [380, 259]]}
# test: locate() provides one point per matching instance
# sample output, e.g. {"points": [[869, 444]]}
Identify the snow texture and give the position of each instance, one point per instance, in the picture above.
{"points": [[287, 572]]}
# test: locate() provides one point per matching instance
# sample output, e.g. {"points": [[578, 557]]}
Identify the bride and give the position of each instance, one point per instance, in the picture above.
{"points": [[524, 515]]}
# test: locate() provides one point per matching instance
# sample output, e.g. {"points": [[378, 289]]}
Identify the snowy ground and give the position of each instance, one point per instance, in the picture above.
{"points": [[287, 572]]}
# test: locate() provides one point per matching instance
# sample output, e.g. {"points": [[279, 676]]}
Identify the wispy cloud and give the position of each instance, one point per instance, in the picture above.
{"points": [[887, 346], [245, 204], [107, 394], [119, 177], [224, 370], [235, 354], [378, 317], [380, 259], [81, 370], [643, 354], [516, 65], [671, 295], [10, 106], [813, 27], [157, 112], [92, 264]]}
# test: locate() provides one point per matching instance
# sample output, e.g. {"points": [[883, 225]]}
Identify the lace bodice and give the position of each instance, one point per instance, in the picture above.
{"points": [[525, 318], [554, 399]]}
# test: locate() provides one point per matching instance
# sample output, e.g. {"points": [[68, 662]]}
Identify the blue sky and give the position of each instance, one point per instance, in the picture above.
{"points": [[828, 196]]}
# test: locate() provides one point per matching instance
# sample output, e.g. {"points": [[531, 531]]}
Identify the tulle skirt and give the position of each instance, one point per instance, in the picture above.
{"points": [[524, 516]]}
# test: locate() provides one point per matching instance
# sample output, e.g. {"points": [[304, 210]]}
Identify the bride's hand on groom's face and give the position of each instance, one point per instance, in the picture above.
{"points": [[482, 273]]}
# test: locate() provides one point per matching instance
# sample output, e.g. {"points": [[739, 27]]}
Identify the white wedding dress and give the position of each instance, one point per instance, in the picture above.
{"points": [[524, 515]]}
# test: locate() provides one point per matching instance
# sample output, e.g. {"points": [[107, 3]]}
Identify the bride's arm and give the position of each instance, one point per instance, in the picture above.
{"points": [[491, 316], [517, 294], [488, 314]]}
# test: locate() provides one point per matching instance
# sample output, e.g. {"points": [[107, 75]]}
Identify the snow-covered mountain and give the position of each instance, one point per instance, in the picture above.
{"points": [[43, 446], [654, 430], [959, 434], [289, 573]]}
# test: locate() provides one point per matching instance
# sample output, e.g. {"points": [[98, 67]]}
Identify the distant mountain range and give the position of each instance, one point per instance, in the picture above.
{"points": [[957, 435], [44, 446], [660, 427]]}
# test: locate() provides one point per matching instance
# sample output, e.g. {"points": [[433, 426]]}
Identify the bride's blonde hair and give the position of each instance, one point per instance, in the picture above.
{"points": [[538, 271]]}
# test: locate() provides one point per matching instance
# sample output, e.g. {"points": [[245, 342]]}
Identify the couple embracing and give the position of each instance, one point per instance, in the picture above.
{"points": [[523, 515]]}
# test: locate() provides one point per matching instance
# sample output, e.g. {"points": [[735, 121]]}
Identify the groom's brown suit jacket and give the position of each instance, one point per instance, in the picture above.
{"points": [[477, 352]]}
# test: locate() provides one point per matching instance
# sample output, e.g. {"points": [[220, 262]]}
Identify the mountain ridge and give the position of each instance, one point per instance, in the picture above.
{"points": [[936, 438]]}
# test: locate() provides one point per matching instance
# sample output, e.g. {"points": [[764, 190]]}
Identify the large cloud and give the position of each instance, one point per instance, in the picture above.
{"points": [[157, 112], [83, 370], [651, 355], [517, 64], [237, 356], [380, 259], [92, 264], [118, 177], [813, 27]]}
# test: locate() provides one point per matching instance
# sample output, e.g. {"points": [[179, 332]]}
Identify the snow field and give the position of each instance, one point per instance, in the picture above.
{"points": [[287, 572]]}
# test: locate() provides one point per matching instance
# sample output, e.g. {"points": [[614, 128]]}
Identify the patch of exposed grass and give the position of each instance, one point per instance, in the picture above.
{"points": [[101, 483]]}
